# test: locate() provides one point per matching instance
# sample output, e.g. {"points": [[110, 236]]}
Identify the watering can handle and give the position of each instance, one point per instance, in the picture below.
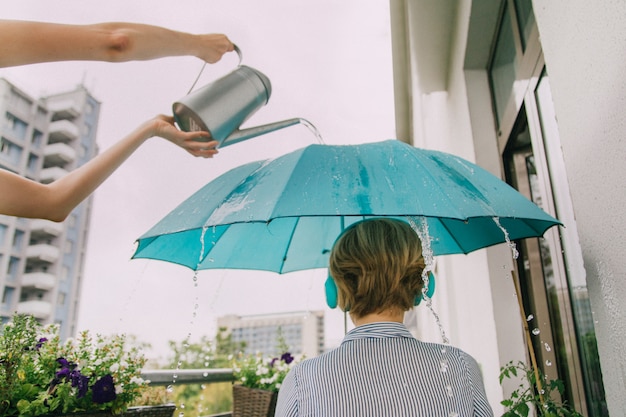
{"points": [[239, 54]]}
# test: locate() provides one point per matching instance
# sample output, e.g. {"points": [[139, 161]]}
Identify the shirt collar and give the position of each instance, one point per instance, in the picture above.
{"points": [[379, 330]]}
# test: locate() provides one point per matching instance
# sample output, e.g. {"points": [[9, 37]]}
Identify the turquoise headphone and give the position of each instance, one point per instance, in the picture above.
{"points": [[331, 291]]}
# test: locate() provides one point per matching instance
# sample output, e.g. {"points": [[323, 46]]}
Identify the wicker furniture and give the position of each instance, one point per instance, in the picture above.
{"points": [[252, 402]]}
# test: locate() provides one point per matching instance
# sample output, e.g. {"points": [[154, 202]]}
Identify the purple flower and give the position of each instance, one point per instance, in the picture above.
{"points": [[40, 343], [287, 358], [79, 381], [68, 372], [103, 390], [272, 362], [65, 364]]}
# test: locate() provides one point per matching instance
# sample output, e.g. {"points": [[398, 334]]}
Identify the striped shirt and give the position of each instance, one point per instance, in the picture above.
{"points": [[380, 369]]}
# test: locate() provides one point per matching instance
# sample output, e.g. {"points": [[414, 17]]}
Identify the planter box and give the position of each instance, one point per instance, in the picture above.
{"points": [[166, 410], [251, 402]]}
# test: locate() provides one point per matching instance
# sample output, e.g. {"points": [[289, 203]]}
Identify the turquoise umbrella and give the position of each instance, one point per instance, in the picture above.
{"points": [[284, 214]]}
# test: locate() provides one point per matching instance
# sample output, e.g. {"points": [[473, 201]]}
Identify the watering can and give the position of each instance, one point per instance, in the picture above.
{"points": [[225, 104]]}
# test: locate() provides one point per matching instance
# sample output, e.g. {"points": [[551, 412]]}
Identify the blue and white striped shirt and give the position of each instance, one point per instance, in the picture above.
{"points": [[380, 369]]}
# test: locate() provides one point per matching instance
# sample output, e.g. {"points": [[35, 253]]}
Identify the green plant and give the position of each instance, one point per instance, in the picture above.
{"points": [[529, 394], [256, 371], [40, 374]]}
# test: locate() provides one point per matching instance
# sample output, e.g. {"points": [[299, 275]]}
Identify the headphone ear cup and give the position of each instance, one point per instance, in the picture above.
{"points": [[331, 292], [430, 290]]}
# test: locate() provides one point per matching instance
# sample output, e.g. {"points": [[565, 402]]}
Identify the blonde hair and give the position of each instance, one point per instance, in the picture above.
{"points": [[377, 264]]}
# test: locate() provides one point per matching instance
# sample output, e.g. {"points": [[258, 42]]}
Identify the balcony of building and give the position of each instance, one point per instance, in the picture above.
{"points": [[43, 252], [62, 131], [39, 309], [40, 229], [38, 280], [51, 174], [58, 154], [64, 109]]}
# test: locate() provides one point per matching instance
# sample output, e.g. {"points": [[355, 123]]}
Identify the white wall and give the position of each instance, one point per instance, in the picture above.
{"points": [[584, 45]]}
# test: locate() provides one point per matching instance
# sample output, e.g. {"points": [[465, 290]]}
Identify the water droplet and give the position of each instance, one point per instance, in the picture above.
{"points": [[202, 386], [182, 405], [181, 414], [547, 346], [206, 364], [205, 374], [449, 390], [543, 391], [211, 260], [530, 317], [175, 376], [536, 331], [170, 388], [548, 362]]}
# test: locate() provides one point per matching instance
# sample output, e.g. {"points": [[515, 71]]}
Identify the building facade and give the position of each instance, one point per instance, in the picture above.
{"points": [[41, 262], [534, 92], [301, 332]]}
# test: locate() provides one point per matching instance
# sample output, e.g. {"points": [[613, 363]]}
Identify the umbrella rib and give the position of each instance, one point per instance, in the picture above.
{"points": [[284, 257]]}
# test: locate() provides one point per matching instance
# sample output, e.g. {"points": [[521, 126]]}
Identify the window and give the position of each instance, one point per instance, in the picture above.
{"points": [[13, 269], [7, 297], [37, 138], [525, 19], [65, 273], [33, 163], [18, 240], [10, 151], [69, 246], [503, 66], [3, 233], [16, 126], [550, 272]]}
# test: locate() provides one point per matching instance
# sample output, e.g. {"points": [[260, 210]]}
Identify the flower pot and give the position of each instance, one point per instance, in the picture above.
{"points": [[166, 410], [252, 402]]}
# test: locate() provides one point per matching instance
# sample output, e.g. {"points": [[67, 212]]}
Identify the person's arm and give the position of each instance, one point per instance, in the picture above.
{"points": [[25, 198], [25, 42]]}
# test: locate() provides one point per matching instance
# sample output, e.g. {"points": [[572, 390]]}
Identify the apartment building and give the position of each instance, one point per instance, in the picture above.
{"points": [[302, 332], [41, 262]]}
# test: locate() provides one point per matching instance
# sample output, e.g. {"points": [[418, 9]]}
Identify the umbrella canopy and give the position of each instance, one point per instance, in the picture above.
{"points": [[284, 214]]}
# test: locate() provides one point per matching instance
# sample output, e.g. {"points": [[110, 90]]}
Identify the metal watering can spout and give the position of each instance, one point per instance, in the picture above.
{"points": [[225, 104], [251, 132]]}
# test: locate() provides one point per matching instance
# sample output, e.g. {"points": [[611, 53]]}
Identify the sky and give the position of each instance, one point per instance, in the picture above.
{"points": [[329, 62]]}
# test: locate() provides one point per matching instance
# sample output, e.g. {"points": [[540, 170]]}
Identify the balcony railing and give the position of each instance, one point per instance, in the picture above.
{"points": [[38, 280], [59, 154], [62, 131], [38, 308], [173, 377], [43, 252], [40, 228], [64, 109], [187, 376], [51, 174]]}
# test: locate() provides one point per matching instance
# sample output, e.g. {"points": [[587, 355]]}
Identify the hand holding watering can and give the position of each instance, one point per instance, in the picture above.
{"points": [[225, 104]]}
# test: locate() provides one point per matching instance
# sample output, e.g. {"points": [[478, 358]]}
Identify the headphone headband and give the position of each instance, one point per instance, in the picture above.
{"points": [[331, 291]]}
